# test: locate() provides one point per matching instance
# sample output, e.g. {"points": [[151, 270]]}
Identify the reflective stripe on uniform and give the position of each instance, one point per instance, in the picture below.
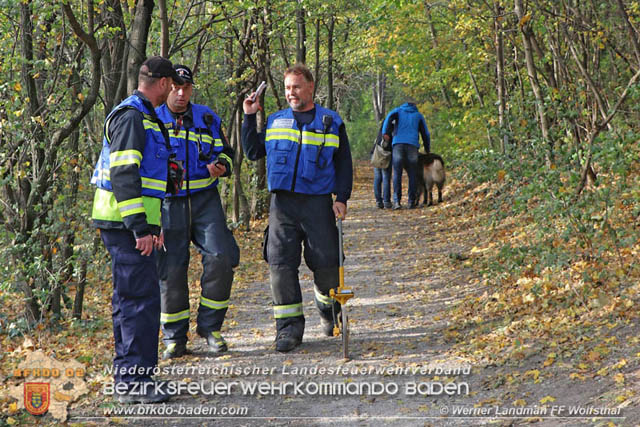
{"points": [[105, 207], [125, 157], [313, 138], [227, 158], [308, 138], [106, 174], [150, 183], [131, 206], [148, 124], [322, 298], [212, 304], [154, 184], [195, 137], [284, 311], [282, 133], [174, 317], [196, 184]]}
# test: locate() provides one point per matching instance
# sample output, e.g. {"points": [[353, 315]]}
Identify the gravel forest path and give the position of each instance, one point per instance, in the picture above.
{"points": [[406, 269]]}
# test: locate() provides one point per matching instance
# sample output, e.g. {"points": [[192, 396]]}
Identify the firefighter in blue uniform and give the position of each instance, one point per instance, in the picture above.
{"points": [[195, 215], [308, 159], [131, 178]]}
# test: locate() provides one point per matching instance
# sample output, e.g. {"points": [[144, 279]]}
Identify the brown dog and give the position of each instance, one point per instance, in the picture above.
{"points": [[430, 173]]}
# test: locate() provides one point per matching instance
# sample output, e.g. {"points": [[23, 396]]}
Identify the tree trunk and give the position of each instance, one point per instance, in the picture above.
{"points": [[301, 40], [473, 81], [434, 43], [240, 203], [284, 51], [379, 92], [533, 80], [317, 56], [164, 29], [500, 86], [26, 220], [113, 58], [138, 42], [633, 36], [332, 22], [78, 301]]}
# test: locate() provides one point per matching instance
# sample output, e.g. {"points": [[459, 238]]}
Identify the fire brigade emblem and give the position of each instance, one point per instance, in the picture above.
{"points": [[36, 398]]}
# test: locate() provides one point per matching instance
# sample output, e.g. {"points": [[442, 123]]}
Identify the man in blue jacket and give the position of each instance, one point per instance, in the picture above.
{"points": [[308, 159], [195, 215], [131, 180], [410, 124]]}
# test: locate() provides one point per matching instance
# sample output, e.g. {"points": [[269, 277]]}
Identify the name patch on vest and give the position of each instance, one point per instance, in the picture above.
{"points": [[283, 123]]}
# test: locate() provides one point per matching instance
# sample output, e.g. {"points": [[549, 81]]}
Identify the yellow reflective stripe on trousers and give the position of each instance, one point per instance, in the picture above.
{"points": [[212, 304], [154, 184], [131, 206], [125, 157], [322, 298], [174, 317], [284, 311]]}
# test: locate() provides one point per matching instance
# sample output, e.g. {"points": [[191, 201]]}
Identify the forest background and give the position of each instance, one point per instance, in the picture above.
{"points": [[534, 102]]}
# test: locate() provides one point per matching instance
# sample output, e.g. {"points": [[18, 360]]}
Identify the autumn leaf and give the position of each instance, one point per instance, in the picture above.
{"points": [[551, 357], [619, 378], [547, 399], [534, 373], [524, 20]]}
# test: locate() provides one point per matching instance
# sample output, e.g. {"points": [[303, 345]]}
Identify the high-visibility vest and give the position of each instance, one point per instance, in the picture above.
{"points": [[301, 160], [152, 164], [195, 147]]}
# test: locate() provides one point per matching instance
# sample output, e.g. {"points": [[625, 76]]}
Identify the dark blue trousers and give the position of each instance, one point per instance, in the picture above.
{"points": [[135, 305], [405, 156], [382, 184], [201, 220]]}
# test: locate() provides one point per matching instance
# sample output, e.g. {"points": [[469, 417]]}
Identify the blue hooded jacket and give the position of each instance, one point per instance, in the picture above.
{"points": [[409, 124]]}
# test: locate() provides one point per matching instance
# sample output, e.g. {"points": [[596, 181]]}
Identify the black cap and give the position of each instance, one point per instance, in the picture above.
{"points": [[184, 72], [162, 67]]}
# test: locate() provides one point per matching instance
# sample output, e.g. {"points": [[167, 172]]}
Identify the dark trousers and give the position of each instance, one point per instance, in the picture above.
{"points": [[382, 184], [296, 220], [405, 156], [135, 304], [200, 219]]}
